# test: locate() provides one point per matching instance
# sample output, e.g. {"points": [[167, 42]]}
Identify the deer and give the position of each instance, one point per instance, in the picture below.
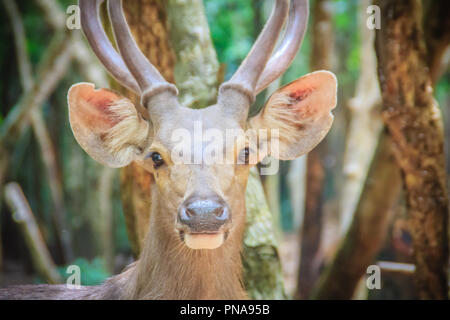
{"points": [[197, 215]]}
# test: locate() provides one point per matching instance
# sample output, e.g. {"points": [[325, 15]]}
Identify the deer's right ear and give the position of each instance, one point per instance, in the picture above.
{"points": [[107, 125]]}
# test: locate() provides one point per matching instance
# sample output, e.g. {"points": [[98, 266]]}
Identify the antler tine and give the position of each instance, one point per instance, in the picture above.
{"points": [[100, 44], [247, 75], [293, 37], [147, 76]]}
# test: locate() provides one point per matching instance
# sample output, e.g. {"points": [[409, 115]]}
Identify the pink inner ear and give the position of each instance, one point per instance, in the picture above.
{"points": [[302, 104], [312, 94], [90, 107], [300, 94]]}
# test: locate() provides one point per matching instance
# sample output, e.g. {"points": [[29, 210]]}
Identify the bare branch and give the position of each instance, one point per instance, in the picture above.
{"points": [[311, 252], [51, 69], [365, 125], [396, 267], [24, 217], [41, 132], [54, 180], [106, 215]]}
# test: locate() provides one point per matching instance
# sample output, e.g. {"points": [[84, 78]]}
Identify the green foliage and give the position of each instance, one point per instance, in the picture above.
{"points": [[300, 65], [92, 273], [232, 28], [346, 22], [442, 96], [66, 3], [38, 33], [122, 243], [442, 90]]}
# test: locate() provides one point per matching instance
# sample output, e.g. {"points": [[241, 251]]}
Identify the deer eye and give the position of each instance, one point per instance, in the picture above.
{"points": [[244, 156], [157, 159]]}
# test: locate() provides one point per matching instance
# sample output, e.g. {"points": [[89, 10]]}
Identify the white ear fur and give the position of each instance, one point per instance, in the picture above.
{"points": [[106, 125], [301, 111], [128, 137]]}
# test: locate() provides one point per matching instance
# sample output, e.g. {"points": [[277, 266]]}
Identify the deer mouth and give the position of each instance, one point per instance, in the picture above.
{"points": [[198, 241]]}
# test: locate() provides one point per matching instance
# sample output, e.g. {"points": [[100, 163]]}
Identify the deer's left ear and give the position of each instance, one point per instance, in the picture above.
{"points": [[301, 111]]}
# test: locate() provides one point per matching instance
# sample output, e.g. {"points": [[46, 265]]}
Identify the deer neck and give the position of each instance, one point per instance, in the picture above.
{"points": [[167, 269]]}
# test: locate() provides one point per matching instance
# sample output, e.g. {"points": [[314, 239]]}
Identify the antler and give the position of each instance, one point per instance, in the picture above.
{"points": [[288, 48], [98, 40], [131, 67], [133, 70]]}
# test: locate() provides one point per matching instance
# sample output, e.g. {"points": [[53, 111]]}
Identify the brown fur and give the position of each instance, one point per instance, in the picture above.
{"points": [[167, 269]]}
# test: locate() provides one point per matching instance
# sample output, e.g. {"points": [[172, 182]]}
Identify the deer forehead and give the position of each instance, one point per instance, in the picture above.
{"points": [[200, 127]]}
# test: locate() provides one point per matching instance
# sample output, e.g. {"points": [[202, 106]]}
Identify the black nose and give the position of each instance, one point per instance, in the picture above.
{"points": [[204, 214]]}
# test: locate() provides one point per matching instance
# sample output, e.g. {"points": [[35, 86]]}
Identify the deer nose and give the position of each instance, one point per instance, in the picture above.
{"points": [[204, 215]]}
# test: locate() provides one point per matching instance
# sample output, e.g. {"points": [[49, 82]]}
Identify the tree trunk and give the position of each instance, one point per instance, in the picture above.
{"points": [[271, 183], [106, 179], [147, 21], [415, 124], [310, 261], [296, 179], [363, 133], [365, 125], [196, 70], [368, 229]]}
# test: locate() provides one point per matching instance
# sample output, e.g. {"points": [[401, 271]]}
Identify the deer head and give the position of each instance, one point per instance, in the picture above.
{"points": [[202, 196]]}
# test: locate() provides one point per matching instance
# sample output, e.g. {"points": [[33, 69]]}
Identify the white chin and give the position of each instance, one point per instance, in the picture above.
{"points": [[204, 241]]}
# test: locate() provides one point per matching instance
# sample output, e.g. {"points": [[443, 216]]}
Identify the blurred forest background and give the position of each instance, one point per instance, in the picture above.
{"points": [[335, 211]]}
